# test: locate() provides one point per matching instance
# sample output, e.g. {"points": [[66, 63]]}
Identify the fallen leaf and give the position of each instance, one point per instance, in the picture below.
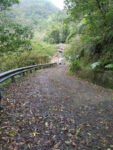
{"points": [[11, 134], [70, 135], [68, 142], [56, 146], [64, 128], [74, 144], [34, 134], [46, 124]]}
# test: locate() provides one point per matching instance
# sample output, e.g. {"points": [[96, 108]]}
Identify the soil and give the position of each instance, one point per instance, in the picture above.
{"points": [[52, 110]]}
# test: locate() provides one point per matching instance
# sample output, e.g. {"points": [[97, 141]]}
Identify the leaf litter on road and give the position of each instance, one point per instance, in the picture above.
{"points": [[35, 118]]}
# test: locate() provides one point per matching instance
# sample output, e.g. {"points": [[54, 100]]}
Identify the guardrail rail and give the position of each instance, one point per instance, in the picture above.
{"points": [[12, 73]]}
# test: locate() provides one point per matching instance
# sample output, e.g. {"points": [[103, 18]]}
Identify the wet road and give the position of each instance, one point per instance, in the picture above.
{"points": [[52, 110]]}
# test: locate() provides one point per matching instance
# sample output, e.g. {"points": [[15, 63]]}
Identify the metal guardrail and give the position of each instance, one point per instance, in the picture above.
{"points": [[12, 73]]}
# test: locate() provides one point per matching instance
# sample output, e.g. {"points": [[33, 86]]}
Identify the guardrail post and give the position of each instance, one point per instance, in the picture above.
{"points": [[1, 107], [30, 71], [13, 79], [23, 74]]}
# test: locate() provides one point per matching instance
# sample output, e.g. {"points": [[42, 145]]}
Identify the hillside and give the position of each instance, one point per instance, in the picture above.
{"points": [[33, 12]]}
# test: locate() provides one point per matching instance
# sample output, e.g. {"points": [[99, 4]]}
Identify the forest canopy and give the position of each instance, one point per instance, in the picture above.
{"points": [[7, 3]]}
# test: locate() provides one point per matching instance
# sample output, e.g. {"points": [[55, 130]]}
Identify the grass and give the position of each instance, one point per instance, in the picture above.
{"points": [[41, 53]]}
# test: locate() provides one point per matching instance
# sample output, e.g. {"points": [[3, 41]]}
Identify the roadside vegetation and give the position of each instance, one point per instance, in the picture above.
{"points": [[18, 45], [31, 37], [41, 53], [91, 37]]}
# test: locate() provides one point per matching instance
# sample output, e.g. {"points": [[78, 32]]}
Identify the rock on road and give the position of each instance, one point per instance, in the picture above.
{"points": [[52, 110]]}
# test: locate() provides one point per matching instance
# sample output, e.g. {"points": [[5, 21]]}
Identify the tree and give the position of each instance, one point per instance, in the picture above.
{"points": [[91, 40], [4, 4], [53, 35], [58, 33], [64, 33], [98, 16], [13, 36]]}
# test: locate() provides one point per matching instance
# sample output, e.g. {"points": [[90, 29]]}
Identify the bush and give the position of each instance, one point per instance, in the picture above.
{"points": [[38, 55]]}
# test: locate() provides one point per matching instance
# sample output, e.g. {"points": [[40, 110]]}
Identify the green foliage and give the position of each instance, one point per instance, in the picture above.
{"points": [[20, 60], [74, 49], [44, 49], [95, 65], [64, 33], [71, 35], [16, 48], [110, 66], [39, 15], [40, 53], [74, 65], [94, 25], [57, 30], [54, 36], [14, 37], [33, 13], [72, 54], [7, 3], [58, 34]]}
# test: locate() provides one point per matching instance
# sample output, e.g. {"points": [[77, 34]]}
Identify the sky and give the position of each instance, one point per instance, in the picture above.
{"points": [[58, 3]]}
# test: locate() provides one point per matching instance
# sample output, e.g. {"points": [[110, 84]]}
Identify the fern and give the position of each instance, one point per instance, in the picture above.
{"points": [[96, 64], [110, 66]]}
